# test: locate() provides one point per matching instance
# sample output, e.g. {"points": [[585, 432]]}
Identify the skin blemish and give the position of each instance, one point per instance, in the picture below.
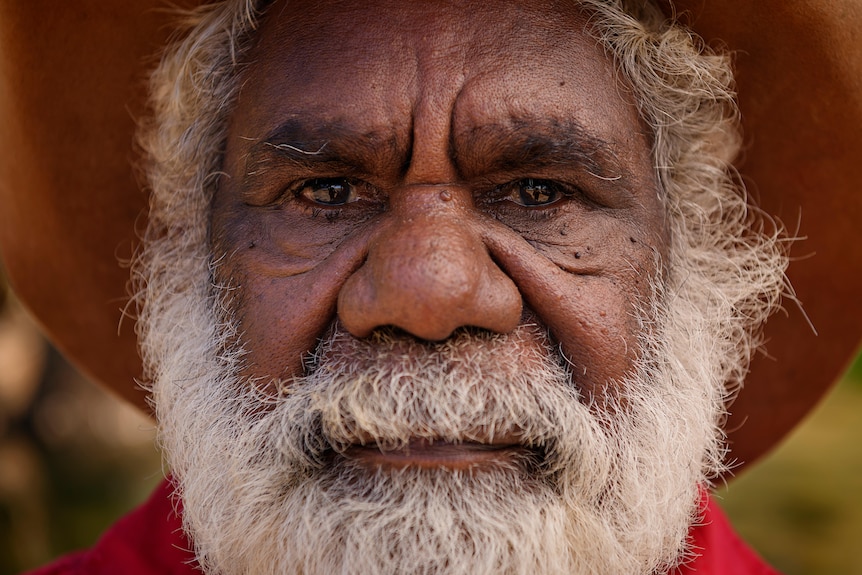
{"points": [[577, 255], [446, 196]]}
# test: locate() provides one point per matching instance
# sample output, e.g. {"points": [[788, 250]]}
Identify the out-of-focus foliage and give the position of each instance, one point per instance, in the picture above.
{"points": [[72, 457], [801, 507]]}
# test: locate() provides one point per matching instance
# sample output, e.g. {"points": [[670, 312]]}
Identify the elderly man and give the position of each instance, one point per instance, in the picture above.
{"points": [[443, 288]]}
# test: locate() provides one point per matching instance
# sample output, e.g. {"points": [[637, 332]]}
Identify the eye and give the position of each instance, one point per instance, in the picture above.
{"points": [[329, 191], [529, 192]]}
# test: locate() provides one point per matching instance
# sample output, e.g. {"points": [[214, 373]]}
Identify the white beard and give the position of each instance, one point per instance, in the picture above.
{"points": [[615, 488], [612, 488]]}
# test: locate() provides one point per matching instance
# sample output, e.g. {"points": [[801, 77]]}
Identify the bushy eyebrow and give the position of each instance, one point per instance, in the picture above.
{"points": [[519, 145], [334, 147], [522, 144]]}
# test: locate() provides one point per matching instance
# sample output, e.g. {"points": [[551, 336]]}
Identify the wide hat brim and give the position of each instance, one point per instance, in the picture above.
{"points": [[72, 80]]}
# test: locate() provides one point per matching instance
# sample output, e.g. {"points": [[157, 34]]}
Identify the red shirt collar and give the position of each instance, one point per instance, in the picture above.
{"points": [[150, 541]]}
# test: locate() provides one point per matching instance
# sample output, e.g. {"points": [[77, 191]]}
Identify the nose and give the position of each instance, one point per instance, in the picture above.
{"points": [[428, 272]]}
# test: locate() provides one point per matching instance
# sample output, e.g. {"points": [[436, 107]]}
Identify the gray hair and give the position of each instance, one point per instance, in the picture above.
{"points": [[726, 266]]}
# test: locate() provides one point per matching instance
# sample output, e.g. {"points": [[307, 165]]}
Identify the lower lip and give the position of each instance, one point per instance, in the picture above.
{"points": [[428, 455]]}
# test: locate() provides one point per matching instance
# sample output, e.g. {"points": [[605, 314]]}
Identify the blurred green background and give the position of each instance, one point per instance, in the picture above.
{"points": [[801, 507], [73, 459]]}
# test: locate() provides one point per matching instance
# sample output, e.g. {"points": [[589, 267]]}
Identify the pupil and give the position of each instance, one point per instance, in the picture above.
{"points": [[335, 190], [328, 192], [535, 193]]}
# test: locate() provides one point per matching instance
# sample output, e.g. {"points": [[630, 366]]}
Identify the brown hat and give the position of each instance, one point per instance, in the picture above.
{"points": [[72, 80]]}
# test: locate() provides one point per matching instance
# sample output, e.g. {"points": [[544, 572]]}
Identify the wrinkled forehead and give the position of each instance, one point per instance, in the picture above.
{"points": [[371, 61], [330, 32]]}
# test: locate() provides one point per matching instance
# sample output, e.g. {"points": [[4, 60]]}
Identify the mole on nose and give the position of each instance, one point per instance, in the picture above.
{"points": [[428, 273]]}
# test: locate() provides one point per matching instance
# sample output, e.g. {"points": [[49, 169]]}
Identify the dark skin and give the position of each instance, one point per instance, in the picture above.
{"points": [[72, 83], [464, 180]]}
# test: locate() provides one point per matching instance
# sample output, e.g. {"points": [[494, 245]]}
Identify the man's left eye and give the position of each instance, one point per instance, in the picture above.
{"points": [[329, 191], [529, 192]]}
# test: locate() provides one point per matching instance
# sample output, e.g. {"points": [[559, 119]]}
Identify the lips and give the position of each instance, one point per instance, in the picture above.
{"points": [[428, 454]]}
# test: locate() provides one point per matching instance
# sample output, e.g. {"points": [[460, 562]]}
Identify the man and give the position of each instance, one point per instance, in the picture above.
{"points": [[443, 288]]}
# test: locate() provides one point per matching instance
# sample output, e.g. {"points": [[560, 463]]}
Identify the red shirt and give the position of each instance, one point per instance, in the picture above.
{"points": [[150, 541]]}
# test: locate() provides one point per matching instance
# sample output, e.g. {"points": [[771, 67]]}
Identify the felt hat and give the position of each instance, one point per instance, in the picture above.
{"points": [[72, 81]]}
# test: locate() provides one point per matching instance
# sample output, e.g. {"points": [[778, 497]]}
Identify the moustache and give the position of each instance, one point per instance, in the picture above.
{"points": [[390, 393]]}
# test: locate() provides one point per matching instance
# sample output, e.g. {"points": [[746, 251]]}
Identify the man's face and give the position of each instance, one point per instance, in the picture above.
{"points": [[430, 167], [440, 233]]}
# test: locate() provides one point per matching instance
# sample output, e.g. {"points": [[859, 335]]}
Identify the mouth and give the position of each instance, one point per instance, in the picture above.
{"points": [[431, 455]]}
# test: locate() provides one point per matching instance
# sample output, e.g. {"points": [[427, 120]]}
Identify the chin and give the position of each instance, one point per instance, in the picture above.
{"points": [[434, 464]]}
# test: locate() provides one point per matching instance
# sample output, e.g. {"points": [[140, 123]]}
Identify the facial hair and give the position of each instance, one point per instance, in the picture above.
{"points": [[608, 483]]}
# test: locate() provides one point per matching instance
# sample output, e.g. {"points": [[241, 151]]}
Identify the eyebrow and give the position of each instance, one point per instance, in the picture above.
{"points": [[535, 143], [318, 146], [519, 144]]}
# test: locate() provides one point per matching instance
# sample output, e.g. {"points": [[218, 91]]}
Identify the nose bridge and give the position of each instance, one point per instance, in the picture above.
{"points": [[428, 271], [431, 254]]}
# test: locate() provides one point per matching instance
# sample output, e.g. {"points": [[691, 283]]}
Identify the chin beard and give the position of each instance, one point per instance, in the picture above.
{"points": [[609, 483]]}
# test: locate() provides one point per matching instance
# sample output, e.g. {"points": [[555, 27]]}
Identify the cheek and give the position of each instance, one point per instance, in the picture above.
{"points": [[273, 313], [591, 303], [286, 281], [597, 329]]}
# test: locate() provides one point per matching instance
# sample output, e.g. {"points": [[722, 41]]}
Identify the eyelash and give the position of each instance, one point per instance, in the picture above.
{"points": [[293, 196], [330, 214], [501, 194], [541, 215]]}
